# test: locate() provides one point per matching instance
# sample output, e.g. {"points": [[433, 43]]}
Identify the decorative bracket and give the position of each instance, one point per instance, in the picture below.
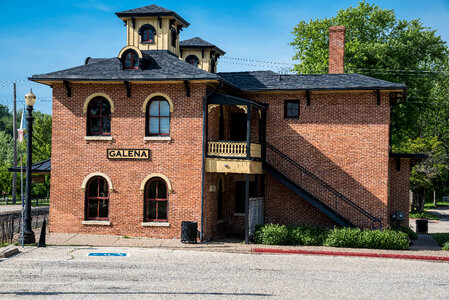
{"points": [[68, 87], [187, 85], [308, 97], [125, 23], [179, 28], [378, 96], [134, 23], [202, 53], [128, 88]]}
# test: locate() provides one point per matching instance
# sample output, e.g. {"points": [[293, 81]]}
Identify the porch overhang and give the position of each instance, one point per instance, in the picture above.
{"points": [[224, 99]]}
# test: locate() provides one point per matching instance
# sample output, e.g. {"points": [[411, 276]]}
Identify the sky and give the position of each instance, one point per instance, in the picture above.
{"points": [[38, 37]]}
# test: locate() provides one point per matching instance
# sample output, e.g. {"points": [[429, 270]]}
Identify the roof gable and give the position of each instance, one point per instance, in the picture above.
{"points": [[151, 11]]}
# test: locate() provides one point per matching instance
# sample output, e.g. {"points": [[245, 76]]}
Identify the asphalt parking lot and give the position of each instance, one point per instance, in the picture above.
{"points": [[69, 273]]}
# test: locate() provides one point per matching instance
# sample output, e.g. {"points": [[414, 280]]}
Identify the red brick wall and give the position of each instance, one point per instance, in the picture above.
{"points": [[73, 159], [399, 189], [340, 137]]}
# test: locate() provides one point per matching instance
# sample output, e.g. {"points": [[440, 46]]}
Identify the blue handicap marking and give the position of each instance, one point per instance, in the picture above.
{"points": [[107, 254]]}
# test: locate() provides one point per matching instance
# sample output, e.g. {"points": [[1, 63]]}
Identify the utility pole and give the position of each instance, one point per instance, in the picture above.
{"points": [[14, 135]]}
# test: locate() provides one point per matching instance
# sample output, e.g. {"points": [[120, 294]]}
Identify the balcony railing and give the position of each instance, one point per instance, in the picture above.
{"points": [[232, 149]]}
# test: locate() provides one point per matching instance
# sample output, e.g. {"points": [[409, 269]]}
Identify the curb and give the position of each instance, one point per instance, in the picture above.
{"points": [[10, 251], [357, 254]]}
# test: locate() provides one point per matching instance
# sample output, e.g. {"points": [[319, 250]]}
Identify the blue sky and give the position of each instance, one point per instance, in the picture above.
{"points": [[44, 36]]}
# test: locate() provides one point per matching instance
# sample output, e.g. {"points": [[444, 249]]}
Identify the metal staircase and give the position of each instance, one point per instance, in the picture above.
{"points": [[315, 191]]}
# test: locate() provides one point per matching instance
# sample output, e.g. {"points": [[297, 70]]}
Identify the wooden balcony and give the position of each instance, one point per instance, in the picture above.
{"points": [[232, 149]]}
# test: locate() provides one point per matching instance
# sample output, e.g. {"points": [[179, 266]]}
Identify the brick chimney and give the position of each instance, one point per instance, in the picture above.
{"points": [[336, 49]]}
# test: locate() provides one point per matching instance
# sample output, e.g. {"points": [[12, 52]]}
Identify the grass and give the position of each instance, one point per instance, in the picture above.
{"points": [[441, 238], [423, 215], [4, 244], [439, 204]]}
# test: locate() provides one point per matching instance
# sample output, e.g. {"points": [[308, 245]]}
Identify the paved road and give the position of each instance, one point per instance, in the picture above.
{"points": [[68, 273]]}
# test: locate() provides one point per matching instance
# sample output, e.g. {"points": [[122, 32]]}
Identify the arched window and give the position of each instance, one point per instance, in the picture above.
{"points": [[99, 117], [147, 33], [97, 199], [155, 200], [158, 117], [193, 60], [130, 60]]}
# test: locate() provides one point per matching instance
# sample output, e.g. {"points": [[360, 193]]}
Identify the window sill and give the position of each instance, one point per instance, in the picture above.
{"points": [[157, 138], [239, 214], [95, 222], [98, 138], [155, 224], [148, 43]]}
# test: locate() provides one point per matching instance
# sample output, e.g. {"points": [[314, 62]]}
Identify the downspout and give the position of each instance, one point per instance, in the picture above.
{"points": [[203, 168]]}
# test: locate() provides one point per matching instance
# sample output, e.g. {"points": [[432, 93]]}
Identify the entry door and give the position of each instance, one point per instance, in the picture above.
{"points": [[238, 127]]}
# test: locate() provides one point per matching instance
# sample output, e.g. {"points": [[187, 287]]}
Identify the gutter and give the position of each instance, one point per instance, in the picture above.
{"points": [[203, 169]]}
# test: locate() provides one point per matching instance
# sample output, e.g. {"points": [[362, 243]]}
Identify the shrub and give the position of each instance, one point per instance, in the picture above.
{"points": [[446, 246], [306, 235], [410, 232], [271, 234], [374, 239]]}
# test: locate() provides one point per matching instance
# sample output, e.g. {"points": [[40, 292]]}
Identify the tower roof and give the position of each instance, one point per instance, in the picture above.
{"points": [[199, 43], [152, 10]]}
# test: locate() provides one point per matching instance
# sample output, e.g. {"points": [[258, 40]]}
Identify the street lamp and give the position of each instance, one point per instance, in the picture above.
{"points": [[28, 234]]}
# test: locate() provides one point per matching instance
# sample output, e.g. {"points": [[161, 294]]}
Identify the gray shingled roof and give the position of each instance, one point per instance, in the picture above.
{"points": [[39, 167], [164, 65], [151, 11], [199, 43], [268, 80]]}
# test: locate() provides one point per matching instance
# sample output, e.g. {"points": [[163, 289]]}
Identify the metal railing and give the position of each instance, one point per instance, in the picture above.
{"points": [[232, 149], [320, 189], [11, 223]]}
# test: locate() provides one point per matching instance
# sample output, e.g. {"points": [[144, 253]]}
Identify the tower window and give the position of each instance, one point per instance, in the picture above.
{"points": [[131, 60], [193, 60], [147, 33]]}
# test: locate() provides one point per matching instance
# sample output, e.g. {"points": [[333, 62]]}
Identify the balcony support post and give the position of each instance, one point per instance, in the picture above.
{"points": [[248, 132], [246, 208]]}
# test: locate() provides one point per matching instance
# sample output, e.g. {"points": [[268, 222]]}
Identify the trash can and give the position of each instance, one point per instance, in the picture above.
{"points": [[422, 226], [189, 232]]}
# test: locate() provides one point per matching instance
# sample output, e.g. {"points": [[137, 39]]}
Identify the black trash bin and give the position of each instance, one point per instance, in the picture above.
{"points": [[422, 226], [189, 232]]}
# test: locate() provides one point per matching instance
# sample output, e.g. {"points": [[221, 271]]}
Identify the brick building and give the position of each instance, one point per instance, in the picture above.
{"points": [[155, 136]]}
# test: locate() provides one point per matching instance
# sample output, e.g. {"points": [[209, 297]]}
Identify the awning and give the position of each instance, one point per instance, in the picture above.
{"points": [[223, 99], [43, 167]]}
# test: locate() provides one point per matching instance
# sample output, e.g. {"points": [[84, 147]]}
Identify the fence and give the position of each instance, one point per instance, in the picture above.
{"points": [[11, 223], [36, 201]]}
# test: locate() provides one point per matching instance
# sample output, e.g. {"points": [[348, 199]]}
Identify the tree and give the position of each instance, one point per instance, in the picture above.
{"points": [[379, 45]]}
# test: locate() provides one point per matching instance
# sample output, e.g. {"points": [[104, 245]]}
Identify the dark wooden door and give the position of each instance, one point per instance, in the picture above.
{"points": [[238, 127]]}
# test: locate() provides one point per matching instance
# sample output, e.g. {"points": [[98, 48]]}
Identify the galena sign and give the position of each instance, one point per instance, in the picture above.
{"points": [[128, 154]]}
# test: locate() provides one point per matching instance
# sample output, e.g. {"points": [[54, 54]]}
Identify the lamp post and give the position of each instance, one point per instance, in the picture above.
{"points": [[28, 234]]}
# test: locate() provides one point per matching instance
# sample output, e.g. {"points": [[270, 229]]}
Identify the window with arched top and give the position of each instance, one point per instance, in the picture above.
{"points": [[155, 200], [97, 199], [157, 117], [130, 60], [99, 117], [193, 60], [147, 33]]}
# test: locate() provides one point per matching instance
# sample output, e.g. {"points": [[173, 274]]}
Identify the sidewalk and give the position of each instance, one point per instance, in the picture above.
{"points": [[425, 246]]}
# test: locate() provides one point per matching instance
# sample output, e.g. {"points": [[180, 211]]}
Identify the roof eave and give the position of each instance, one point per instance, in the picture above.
{"points": [[162, 14]]}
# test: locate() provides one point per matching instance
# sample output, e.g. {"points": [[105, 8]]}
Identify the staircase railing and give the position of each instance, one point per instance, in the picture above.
{"points": [[320, 189]]}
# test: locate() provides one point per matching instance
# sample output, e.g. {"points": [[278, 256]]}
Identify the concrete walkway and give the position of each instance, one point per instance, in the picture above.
{"points": [[420, 247]]}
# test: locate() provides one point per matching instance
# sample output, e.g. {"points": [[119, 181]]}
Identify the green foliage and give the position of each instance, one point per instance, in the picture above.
{"points": [[445, 246], [306, 235], [441, 238], [423, 215], [274, 234], [5, 180], [407, 230], [271, 234], [373, 239]]}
